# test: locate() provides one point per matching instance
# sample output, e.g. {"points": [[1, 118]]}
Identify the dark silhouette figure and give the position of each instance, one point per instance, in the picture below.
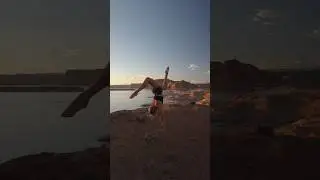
{"points": [[83, 98], [157, 90]]}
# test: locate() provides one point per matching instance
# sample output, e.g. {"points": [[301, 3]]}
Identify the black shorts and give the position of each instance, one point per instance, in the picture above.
{"points": [[158, 98], [158, 94]]}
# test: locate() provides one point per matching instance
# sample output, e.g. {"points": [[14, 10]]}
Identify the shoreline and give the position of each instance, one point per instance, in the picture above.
{"points": [[122, 89], [57, 89], [94, 161], [142, 107]]}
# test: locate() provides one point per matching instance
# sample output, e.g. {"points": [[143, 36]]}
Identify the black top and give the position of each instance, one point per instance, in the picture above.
{"points": [[158, 98], [157, 91]]}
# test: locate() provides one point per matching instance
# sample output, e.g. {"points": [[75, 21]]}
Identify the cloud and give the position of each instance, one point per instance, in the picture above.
{"points": [[265, 16], [193, 67], [315, 34], [268, 23], [256, 19], [316, 31], [71, 52]]}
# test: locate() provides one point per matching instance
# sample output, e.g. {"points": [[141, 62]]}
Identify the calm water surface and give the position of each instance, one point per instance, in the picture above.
{"points": [[31, 123], [119, 100]]}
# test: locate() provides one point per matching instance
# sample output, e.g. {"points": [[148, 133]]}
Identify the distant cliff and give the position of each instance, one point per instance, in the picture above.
{"points": [[182, 85], [233, 75], [70, 77], [82, 77], [171, 84]]}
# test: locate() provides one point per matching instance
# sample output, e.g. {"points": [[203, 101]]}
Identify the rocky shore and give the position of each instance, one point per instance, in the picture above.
{"points": [[268, 134], [235, 76], [271, 134], [92, 163], [41, 89], [137, 148]]}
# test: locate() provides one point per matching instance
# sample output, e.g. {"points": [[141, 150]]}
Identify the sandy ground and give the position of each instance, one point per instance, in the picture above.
{"points": [[145, 152]]}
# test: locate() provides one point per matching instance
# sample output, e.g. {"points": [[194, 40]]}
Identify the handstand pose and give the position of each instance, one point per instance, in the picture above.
{"points": [[83, 99], [156, 107]]}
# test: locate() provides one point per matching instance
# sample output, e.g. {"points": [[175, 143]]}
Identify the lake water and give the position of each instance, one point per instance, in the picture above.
{"points": [[30, 123], [119, 100]]}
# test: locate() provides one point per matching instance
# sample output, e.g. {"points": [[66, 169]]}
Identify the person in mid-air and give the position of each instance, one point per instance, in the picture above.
{"points": [[156, 107], [83, 99]]}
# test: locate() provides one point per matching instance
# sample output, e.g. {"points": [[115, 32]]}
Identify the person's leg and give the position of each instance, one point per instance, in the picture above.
{"points": [[147, 81], [160, 116], [162, 123]]}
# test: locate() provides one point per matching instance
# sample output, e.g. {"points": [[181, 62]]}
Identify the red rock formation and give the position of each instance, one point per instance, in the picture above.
{"points": [[233, 75], [173, 85]]}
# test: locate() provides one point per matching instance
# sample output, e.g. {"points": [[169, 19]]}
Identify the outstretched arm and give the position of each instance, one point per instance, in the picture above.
{"points": [[83, 99], [102, 82], [164, 83]]}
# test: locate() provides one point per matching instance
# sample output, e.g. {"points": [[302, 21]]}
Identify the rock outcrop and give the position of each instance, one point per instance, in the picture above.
{"points": [[205, 99], [233, 75], [267, 136], [289, 113], [172, 85], [92, 163], [178, 85]]}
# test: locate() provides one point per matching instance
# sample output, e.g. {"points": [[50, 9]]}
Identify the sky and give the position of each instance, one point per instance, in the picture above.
{"points": [[269, 34], [148, 35], [41, 36]]}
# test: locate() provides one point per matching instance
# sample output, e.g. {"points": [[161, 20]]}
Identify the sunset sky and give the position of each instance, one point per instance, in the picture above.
{"points": [[268, 34], [148, 35], [52, 35]]}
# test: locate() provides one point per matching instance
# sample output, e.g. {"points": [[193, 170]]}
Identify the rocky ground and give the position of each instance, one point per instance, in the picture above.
{"points": [[259, 135], [89, 164], [141, 149], [267, 135], [194, 96]]}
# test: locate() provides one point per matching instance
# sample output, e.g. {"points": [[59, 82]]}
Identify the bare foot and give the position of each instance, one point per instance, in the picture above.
{"points": [[134, 94]]}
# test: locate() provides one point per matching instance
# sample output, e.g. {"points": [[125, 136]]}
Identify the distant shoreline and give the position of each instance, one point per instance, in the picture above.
{"points": [[41, 89], [122, 89]]}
